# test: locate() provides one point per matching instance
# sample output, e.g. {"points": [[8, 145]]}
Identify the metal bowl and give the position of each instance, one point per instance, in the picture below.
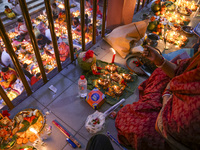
{"points": [[188, 29], [152, 39]]}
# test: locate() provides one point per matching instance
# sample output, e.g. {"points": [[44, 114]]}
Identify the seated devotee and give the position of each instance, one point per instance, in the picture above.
{"points": [[8, 77], [21, 29], [48, 34], [42, 40], [16, 8], [63, 51], [55, 10], [167, 113], [41, 27], [87, 21], [36, 31], [5, 59], [36, 78], [9, 13], [26, 72], [75, 22], [61, 17]]}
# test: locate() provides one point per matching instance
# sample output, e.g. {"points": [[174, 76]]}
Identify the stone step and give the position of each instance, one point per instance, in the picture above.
{"points": [[3, 5], [31, 11], [33, 7]]}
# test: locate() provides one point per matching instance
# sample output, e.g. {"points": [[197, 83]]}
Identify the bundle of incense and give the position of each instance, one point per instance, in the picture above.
{"points": [[66, 133]]}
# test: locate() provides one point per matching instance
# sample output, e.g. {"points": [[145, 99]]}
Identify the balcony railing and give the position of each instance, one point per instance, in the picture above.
{"points": [[25, 12]]}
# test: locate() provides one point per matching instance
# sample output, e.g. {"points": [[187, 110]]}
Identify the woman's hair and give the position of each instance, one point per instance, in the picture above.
{"points": [[19, 20], [54, 4], [76, 19], [38, 74], [6, 6], [4, 69], [40, 36], [25, 65]]}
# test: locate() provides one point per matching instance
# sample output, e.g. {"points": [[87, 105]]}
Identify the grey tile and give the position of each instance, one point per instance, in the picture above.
{"points": [[46, 96], [57, 140], [73, 72], [70, 108], [81, 140], [29, 102]]}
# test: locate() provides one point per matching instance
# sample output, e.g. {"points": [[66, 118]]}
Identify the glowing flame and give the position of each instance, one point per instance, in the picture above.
{"points": [[61, 6], [33, 130], [113, 51]]}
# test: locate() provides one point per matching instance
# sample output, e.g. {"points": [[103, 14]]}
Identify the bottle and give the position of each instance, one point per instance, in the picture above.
{"points": [[82, 84]]}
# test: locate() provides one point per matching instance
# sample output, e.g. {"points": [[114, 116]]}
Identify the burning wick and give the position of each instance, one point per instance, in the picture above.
{"points": [[113, 58], [36, 133], [61, 6]]}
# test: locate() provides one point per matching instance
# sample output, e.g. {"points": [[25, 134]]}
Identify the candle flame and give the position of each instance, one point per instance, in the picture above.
{"points": [[113, 51], [61, 6], [33, 130]]}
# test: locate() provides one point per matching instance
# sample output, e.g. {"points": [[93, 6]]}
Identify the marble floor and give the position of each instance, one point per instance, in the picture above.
{"points": [[67, 108]]}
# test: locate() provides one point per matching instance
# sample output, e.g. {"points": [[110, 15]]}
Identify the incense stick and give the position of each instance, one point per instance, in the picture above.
{"points": [[66, 133]]}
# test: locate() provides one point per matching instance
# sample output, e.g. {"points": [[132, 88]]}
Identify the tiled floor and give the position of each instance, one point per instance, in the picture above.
{"points": [[67, 108]]}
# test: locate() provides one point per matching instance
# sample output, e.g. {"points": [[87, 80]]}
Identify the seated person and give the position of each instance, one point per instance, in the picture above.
{"points": [[89, 32], [61, 17], [63, 51], [48, 34], [36, 78], [5, 59], [8, 77], [42, 40], [21, 29], [167, 113], [41, 27], [26, 72], [55, 10], [9, 13], [77, 25], [76, 22], [36, 31], [87, 21], [16, 8]]}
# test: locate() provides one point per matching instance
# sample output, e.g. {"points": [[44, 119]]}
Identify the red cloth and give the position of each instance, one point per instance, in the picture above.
{"points": [[135, 122], [181, 115], [34, 80]]}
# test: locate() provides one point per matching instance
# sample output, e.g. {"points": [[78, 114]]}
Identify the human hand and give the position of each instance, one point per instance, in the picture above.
{"points": [[151, 53]]}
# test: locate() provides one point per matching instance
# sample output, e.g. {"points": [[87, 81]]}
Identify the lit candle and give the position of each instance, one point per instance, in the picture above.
{"points": [[113, 58], [36, 133]]}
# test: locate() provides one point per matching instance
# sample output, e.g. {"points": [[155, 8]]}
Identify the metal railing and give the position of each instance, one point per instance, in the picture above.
{"points": [[29, 26]]}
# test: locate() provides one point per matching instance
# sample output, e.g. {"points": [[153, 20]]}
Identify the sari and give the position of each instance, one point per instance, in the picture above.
{"points": [[180, 117]]}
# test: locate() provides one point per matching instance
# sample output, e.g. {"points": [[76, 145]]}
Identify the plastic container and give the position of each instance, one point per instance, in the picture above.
{"points": [[82, 85]]}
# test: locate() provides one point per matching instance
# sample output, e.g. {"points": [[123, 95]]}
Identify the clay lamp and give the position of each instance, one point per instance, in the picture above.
{"points": [[127, 77], [117, 90]]}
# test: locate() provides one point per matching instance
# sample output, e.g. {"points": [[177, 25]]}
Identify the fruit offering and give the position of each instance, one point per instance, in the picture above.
{"points": [[156, 25], [176, 18], [24, 121], [7, 139], [176, 38], [155, 7], [187, 4]]}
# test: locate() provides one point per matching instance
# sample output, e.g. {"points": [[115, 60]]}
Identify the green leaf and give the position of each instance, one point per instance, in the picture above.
{"points": [[26, 126], [34, 120]]}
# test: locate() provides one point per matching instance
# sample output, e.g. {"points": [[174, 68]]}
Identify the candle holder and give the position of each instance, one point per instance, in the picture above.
{"points": [[111, 68], [117, 90], [115, 77], [126, 77], [103, 82]]}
